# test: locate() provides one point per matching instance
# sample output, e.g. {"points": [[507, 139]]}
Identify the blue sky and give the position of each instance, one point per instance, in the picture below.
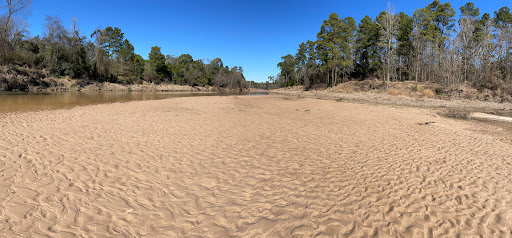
{"points": [[251, 34]]}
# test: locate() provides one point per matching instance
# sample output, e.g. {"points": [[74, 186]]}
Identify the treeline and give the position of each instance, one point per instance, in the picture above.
{"points": [[106, 56], [431, 45]]}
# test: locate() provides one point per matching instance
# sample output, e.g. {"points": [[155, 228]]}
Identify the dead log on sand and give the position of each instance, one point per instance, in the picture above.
{"points": [[478, 115]]}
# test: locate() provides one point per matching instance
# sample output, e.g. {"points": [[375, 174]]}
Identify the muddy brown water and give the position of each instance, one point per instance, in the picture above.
{"points": [[20, 101]]}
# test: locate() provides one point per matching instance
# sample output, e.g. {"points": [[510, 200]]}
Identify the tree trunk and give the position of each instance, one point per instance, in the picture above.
{"points": [[328, 79], [335, 74]]}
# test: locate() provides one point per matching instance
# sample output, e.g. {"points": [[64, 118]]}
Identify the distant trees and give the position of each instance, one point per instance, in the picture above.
{"points": [[114, 57], [330, 56], [434, 23], [60, 52], [468, 38], [305, 64], [301, 63], [431, 45], [105, 57]]}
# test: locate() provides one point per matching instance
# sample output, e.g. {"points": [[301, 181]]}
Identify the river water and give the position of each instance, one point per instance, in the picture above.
{"points": [[19, 101]]}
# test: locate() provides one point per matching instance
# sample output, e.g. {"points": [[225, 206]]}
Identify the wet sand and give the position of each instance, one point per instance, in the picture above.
{"points": [[250, 166]]}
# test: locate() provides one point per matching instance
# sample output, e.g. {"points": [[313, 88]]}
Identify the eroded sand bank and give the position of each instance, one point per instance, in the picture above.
{"points": [[251, 167]]}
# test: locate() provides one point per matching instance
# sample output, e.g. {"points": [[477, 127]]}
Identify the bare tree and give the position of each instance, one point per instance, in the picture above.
{"points": [[14, 7], [418, 48], [388, 28], [465, 37], [504, 48], [12, 25], [487, 50], [73, 27]]}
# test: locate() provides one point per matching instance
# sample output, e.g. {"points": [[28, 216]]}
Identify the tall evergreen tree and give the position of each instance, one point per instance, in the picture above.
{"points": [[287, 66], [367, 56], [335, 43], [404, 44]]}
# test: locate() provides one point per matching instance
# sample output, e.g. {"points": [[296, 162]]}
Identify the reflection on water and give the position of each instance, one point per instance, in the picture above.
{"points": [[15, 102]]}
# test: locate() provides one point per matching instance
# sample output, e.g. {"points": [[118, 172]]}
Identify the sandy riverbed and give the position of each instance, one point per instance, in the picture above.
{"points": [[251, 167]]}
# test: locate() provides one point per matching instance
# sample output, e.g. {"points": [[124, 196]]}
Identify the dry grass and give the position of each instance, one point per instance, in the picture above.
{"points": [[427, 93], [463, 91], [393, 92], [292, 88], [437, 103]]}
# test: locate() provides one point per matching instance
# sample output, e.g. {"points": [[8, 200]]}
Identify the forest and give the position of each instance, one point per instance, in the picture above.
{"points": [[432, 45], [104, 56]]}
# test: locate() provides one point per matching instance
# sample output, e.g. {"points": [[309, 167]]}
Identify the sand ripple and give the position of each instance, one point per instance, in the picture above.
{"points": [[250, 167]]}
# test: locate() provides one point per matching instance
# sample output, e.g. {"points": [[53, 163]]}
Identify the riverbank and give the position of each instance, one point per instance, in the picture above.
{"points": [[71, 85], [16, 78], [459, 107], [265, 166]]}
